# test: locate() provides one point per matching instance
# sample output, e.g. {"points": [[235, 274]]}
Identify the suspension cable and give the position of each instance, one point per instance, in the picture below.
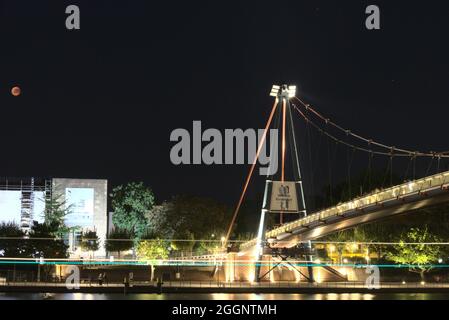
{"points": [[350, 160], [344, 142], [248, 178], [329, 172], [444, 154], [408, 168]]}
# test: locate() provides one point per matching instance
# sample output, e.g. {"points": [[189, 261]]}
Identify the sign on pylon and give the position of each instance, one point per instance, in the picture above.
{"points": [[284, 197]]}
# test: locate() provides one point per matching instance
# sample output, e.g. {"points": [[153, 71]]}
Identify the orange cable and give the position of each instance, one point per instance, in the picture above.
{"points": [[248, 179]]}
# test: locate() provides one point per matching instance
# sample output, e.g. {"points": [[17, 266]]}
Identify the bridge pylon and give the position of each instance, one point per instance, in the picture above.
{"points": [[282, 196]]}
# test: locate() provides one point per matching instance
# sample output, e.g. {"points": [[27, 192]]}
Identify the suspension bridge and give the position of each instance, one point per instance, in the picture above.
{"points": [[409, 196]]}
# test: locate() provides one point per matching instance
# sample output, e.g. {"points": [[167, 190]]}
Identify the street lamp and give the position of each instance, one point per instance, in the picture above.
{"points": [[274, 90], [290, 91]]}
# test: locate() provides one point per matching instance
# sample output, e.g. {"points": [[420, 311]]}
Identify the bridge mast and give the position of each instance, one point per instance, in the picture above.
{"points": [[283, 95]]}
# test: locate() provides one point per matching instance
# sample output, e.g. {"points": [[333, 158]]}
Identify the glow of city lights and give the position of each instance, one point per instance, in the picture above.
{"points": [[319, 278], [343, 271], [251, 276]]}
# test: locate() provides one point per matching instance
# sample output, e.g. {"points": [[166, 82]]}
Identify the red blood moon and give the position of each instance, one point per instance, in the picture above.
{"points": [[15, 91]]}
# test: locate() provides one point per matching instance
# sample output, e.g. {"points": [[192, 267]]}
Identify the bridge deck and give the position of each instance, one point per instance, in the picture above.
{"points": [[402, 198]]}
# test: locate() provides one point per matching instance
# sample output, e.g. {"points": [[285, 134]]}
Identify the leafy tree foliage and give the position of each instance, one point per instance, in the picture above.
{"points": [[56, 209], [10, 247], [186, 244], [90, 241], [192, 219], [118, 241], [40, 243], [43, 242], [131, 204], [420, 255], [149, 250]]}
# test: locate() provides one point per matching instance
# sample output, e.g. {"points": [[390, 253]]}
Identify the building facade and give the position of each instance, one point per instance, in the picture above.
{"points": [[22, 201]]}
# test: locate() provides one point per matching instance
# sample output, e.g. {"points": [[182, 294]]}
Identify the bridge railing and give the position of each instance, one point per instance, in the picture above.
{"points": [[439, 180], [215, 284]]}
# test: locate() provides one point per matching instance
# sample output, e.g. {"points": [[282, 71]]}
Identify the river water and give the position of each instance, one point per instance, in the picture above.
{"points": [[227, 296]]}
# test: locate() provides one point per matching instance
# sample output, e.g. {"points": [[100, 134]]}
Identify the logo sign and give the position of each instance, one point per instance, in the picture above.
{"points": [[283, 197]]}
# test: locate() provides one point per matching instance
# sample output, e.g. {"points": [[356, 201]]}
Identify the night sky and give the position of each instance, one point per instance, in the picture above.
{"points": [[101, 102]]}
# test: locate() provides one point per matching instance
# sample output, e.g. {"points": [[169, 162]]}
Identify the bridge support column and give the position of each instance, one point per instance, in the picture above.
{"points": [[309, 259], [260, 246]]}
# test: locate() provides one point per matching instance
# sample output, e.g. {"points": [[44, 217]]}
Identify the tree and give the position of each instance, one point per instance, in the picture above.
{"points": [[210, 244], [185, 244], [419, 255], [157, 222], [118, 241], [150, 250], [190, 218], [56, 209], [130, 204], [9, 246], [90, 241], [45, 244], [379, 232]]}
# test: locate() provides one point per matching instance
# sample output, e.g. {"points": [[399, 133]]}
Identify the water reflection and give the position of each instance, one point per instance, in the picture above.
{"points": [[227, 296]]}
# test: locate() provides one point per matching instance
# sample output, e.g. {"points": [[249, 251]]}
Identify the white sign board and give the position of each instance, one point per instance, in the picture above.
{"points": [[80, 201], [283, 197]]}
